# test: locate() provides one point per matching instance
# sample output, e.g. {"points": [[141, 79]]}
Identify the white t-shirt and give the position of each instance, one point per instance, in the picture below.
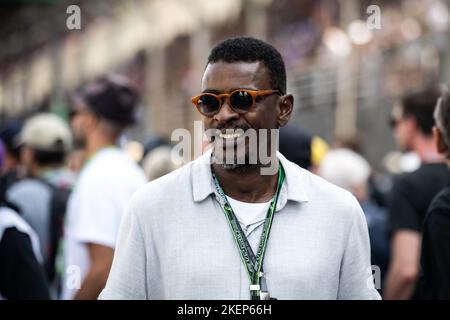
{"points": [[249, 215], [99, 198]]}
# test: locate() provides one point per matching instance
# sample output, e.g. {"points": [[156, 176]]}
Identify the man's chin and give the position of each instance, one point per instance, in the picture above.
{"points": [[236, 167], [233, 162]]}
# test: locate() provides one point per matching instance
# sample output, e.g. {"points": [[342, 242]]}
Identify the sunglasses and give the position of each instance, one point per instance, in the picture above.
{"points": [[240, 100]]}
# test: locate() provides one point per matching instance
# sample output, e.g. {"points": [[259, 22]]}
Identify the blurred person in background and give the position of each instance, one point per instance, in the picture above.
{"points": [[42, 195], [301, 147], [21, 273], [109, 177], [159, 162], [435, 258], [351, 171], [379, 184], [45, 142], [10, 171], [412, 122], [154, 142]]}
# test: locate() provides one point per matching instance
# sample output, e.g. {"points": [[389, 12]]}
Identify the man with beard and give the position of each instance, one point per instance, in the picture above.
{"points": [[230, 225], [104, 186]]}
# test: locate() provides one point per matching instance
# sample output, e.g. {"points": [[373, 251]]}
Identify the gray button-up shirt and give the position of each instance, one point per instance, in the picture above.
{"points": [[175, 242]]}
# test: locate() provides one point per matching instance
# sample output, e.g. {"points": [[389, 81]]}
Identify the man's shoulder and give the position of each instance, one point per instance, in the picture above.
{"points": [[10, 218], [319, 190], [172, 185], [110, 159], [425, 172], [28, 187], [110, 166], [441, 202], [316, 183]]}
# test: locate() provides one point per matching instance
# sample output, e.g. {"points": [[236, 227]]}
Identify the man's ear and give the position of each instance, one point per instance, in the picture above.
{"points": [[286, 106], [439, 141]]}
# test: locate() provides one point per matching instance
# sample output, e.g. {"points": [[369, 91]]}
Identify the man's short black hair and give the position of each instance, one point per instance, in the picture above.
{"points": [[420, 106], [248, 49]]}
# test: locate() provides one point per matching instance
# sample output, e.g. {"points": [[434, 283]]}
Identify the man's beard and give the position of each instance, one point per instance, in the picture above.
{"points": [[79, 142], [236, 165], [221, 153], [233, 158], [250, 150]]}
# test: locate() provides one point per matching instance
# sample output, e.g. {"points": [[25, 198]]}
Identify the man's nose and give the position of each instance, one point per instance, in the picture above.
{"points": [[226, 113]]}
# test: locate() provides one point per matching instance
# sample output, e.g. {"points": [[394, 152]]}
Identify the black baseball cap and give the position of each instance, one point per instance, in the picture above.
{"points": [[113, 97]]}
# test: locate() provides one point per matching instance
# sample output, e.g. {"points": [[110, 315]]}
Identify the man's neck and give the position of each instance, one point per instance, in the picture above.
{"points": [[247, 185], [426, 149], [96, 143]]}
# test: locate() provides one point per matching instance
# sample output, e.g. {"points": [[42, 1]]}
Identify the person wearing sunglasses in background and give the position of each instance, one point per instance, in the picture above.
{"points": [[217, 229], [412, 192], [434, 282]]}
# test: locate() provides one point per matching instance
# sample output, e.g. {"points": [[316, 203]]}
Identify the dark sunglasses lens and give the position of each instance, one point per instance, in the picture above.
{"points": [[208, 104], [241, 100]]}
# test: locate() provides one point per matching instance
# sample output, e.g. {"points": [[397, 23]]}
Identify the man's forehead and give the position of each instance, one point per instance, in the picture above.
{"points": [[223, 74]]}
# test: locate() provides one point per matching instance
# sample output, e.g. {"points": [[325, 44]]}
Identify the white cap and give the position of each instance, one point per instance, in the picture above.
{"points": [[46, 132], [345, 168]]}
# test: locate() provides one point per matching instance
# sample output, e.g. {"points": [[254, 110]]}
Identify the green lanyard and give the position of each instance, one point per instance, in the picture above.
{"points": [[253, 264]]}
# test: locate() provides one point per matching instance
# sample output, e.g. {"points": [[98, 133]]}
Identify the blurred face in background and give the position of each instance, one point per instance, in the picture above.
{"points": [[81, 121], [403, 128]]}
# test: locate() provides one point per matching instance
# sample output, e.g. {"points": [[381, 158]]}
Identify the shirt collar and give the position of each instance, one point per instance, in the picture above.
{"points": [[293, 189]]}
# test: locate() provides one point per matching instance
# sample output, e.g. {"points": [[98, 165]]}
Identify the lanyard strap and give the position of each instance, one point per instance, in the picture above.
{"points": [[253, 264]]}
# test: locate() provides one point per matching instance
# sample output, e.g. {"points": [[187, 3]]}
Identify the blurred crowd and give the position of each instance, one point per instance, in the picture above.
{"points": [[56, 173], [409, 250]]}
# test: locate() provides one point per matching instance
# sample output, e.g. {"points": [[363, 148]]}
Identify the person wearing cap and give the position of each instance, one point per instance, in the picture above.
{"points": [[45, 141], [105, 184], [41, 196]]}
